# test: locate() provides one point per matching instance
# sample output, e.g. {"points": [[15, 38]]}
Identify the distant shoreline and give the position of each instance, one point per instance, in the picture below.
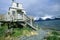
{"points": [[52, 29], [49, 24], [46, 20]]}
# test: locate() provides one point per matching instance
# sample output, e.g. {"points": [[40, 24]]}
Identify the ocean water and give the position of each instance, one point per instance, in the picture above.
{"points": [[43, 33], [53, 24]]}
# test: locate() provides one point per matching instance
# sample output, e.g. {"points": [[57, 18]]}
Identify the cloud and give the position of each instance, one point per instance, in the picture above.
{"points": [[4, 5], [45, 7], [36, 8], [26, 3]]}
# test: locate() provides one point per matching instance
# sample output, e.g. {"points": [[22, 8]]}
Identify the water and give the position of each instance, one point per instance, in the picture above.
{"points": [[53, 24]]}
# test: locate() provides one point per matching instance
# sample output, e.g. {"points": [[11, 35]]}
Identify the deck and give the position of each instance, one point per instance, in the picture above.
{"points": [[16, 14], [25, 20]]}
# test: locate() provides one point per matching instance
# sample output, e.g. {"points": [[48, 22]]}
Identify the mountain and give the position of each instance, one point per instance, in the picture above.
{"points": [[47, 19], [57, 18]]}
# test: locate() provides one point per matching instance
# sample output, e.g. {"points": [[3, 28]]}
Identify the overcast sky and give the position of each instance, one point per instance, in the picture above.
{"points": [[36, 8]]}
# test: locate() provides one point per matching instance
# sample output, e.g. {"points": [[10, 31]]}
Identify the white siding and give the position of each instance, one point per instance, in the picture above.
{"points": [[13, 5], [20, 6], [20, 16]]}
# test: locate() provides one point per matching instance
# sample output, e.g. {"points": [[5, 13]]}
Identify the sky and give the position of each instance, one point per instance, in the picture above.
{"points": [[35, 8]]}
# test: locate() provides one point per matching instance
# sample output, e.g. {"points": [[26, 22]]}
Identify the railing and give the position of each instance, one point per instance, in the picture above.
{"points": [[26, 19], [29, 21]]}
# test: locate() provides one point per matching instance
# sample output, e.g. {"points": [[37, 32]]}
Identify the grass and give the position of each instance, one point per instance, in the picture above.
{"points": [[54, 36], [55, 33], [20, 32], [2, 32], [17, 32]]}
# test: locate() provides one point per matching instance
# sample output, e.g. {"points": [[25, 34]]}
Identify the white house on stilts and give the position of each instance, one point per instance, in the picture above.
{"points": [[16, 13]]}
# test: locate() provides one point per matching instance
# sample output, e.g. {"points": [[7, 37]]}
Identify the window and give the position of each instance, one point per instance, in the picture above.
{"points": [[13, 13], [20, 11], [17, 4], [8, 13]]}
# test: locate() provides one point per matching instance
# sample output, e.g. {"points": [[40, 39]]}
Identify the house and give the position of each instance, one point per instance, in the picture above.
{"points": [[17, 15]]}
